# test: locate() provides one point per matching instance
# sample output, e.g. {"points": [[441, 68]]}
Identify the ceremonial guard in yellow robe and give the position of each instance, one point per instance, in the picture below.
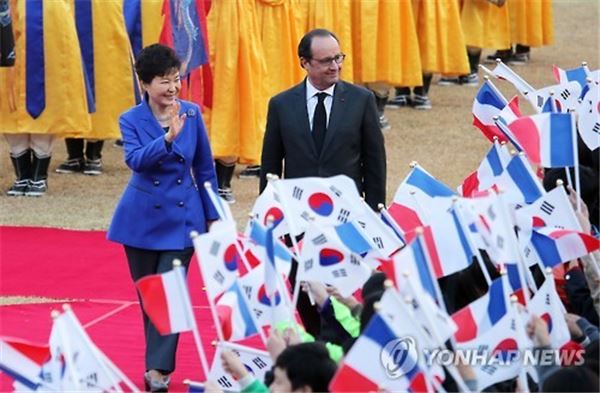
{"points": [[45, 95], [111, 82], [236, 122]]}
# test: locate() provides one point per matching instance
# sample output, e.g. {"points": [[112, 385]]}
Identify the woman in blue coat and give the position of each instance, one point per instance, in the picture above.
{"points": [[167, 149]]}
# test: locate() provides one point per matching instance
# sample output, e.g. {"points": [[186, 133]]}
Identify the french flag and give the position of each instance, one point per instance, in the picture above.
{"points": [[412, 260], [579, 75], [23, 361], [490, 168], [489, 102], [420, 190], [482, 314], [519, 182], [555, 246], [547, 138], [165, 298], [235, 315], [406, 218], [359, 373]]}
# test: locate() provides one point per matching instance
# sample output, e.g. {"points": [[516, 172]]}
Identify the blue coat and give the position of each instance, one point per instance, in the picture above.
{"points": [[165, 198]]}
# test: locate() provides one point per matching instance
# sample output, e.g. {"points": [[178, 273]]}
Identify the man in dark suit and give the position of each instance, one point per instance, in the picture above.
{"points": [[325, 127]]}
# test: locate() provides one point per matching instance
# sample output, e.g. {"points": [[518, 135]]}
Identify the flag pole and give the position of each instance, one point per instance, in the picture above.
{"points": [[495, 89], [293, 232], [428, 379], [431, 327], [521, 265], [215, 202], [393, 224], [576, 159], [185, 295], [511, 301], [55, 314], [211, 302], [468, 235]]}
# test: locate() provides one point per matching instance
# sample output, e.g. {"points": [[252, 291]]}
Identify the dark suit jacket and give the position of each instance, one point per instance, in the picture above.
{"points": [[353, 143], [162, 203]]}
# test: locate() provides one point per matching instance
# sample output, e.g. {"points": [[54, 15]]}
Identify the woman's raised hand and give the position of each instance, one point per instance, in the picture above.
{"points": [[177, 122]]}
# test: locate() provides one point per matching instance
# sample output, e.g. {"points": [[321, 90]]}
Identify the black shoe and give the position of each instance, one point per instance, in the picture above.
{"points": [[19, 188], [448, 81], [251, 172], [37, 188], [92, 167], [71, 166], [399, 101], [503, 55], [227, 195], [519, 59], [469, 80], [421, 102]]}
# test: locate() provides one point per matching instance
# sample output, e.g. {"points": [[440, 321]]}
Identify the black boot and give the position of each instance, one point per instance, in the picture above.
{"points": [[22, 165], [39, 183], [224, 176], [75, 161], [420, 97], [93, 158]]}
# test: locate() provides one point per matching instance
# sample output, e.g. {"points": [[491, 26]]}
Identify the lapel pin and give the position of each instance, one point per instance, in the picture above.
{"points": [[191, 112]]}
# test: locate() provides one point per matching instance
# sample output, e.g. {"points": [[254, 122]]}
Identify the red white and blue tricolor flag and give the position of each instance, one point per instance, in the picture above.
{"points": [[413, 260], [579, 75], [420, 190], [22, 361], [164, 299], [547, 138], [489, 102], [479, 316], [488, 171], [235, 315], [519, 183], [554, 246], [360, 373]]}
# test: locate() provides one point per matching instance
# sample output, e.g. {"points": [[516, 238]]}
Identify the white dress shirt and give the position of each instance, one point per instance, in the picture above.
{"points": [[312, 100]]}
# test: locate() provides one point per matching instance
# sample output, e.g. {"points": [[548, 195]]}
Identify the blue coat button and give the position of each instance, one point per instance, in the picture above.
{"points": [[156, 183], [180, 204], [157, 206], [179, 181]]}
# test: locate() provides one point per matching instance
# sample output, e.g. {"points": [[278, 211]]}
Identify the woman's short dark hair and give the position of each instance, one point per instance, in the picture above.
{"points": [[307, 364], [156, 60], [306, 41]]}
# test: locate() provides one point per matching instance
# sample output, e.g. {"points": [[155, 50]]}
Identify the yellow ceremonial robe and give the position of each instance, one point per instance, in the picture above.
{"points": [[152, 21], [441, 40], [385, 43], [531, 22], [279, 38], [66, 111], [335, 16], [485, 25], [113, 69], [237, 121]]}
